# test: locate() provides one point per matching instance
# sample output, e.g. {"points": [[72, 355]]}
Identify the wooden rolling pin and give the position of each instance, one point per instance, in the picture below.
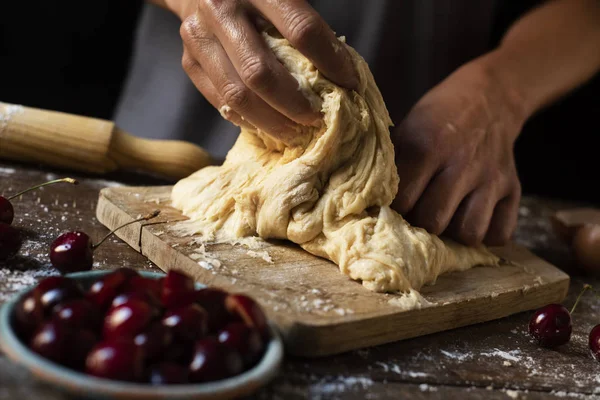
{"points": [[90, 144]]}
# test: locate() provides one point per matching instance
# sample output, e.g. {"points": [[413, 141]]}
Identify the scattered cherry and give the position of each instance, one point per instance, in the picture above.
{"points": [[127, 319], [551, 325], [187, 323], [594, 342], [214, 361], [249, 311], [10, 241], [7, 212], [178, 289], [73, 251], [117, 359], [167, 374], [245, 340]]}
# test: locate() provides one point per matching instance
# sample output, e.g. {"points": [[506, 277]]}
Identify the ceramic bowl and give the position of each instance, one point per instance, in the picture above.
{"points": [[88, 386]]}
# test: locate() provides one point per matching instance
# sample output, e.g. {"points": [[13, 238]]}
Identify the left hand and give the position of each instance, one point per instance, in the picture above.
{"points": [[454, 153]]}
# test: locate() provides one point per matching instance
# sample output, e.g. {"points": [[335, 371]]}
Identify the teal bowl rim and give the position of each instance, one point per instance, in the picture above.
{"points": [[83, 384]]}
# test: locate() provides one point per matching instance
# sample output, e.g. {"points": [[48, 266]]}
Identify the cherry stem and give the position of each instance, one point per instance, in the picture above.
{"points": [[585, 287], [147, 217], [66, 180]]}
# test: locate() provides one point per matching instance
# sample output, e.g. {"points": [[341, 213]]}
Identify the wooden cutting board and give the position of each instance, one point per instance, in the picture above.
{"points": [[318, 310]]}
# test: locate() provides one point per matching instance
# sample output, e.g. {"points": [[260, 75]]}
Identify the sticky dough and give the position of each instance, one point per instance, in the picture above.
{"points": [[330, 191]]}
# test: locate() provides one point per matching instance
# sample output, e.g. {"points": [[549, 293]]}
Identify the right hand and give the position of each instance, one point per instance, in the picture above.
{"points": [[230, 63]]}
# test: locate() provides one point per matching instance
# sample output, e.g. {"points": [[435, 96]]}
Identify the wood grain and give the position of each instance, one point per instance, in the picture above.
{"points": [[318, 310], [90, 144]]}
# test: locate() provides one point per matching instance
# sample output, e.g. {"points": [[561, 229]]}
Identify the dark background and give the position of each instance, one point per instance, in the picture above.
{"points": [[73, 55]]}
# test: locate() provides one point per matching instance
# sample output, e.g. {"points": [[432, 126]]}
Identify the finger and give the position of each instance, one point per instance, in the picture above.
{"points": [[472, 219], [213, 59], [255, 63], [299, 23], [441, 198], [504, 220], [414, 178], [205, 86]]}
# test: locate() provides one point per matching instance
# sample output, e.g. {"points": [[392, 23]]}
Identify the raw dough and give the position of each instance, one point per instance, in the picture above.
{"points": [[330, 192]]}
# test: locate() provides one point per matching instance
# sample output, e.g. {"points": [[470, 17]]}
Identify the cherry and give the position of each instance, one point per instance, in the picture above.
{"points": [[73, 251], [117, 359], [213, 301], [249, 311], [167, 374], [7, 212], [187, 323], [551, 325], [78, 314], [154, 341], [54, 290], [142, 296], [103, 291], [177, 289], [127, 319], [82, 343], [180, 352], [153, 287], [10, 241], [29, 314], [594, 342], [213, 361], [245, 340], [52, 341]]}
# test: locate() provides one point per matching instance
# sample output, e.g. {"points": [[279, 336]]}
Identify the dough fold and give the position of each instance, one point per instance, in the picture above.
{"points": [[330, 192]]}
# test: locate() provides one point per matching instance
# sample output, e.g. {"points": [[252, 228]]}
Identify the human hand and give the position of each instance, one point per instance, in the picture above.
{"points": [[230, 63], [454, 153]]}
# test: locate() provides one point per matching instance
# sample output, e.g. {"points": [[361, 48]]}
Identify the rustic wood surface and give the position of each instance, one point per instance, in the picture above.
{"points": [[318, 310], [494, 360]]}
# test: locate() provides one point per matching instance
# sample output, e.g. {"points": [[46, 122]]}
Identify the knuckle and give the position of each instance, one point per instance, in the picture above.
{"points": [[304, 28], [257, 74], [188, 63], [236, 96], [188, 28]]}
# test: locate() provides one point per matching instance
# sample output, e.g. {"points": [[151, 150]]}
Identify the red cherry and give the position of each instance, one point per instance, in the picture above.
{"points": [[167, 374], [243, 339], [29, 314], [594, 342], [55, 290], [213, 361], [10, 241], [213, 301], [180, 352], [82, 343], [52, 341], [103, 291], [249, 311], [187, 323], [72, 252], [154, 341], [177, 289], [7, 213], [140, 284], [127, 320], [120, 360], [142, 296], [78, 314], [551, 325]]}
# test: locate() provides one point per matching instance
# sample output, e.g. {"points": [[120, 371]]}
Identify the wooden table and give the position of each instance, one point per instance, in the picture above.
{"points": [[495, 360]]}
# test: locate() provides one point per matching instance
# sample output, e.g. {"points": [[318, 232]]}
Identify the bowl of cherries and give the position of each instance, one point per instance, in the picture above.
{"points": [[140, 335]]}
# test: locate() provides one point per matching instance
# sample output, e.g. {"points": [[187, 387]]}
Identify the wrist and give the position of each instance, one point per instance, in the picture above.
{"points": [[503, 83]]}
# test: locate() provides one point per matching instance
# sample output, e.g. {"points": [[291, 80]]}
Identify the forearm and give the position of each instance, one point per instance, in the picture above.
{"points": [[547, 53]]}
